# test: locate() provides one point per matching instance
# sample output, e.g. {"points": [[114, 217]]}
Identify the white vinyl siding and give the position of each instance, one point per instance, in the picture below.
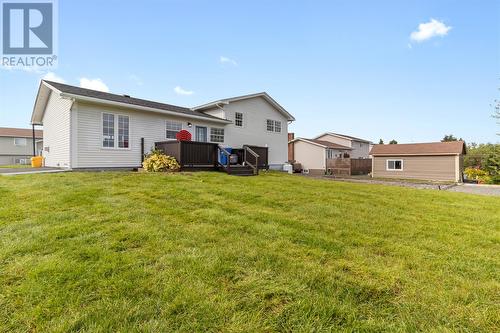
{"points": [[147, 125], [256, 112], [56, 132]]}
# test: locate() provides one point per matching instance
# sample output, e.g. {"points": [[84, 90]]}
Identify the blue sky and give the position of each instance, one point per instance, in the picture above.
{"points": [[344, 66]]}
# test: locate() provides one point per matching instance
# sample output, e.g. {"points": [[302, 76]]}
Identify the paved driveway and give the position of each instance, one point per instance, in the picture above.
{"points": [[477, 189], [20, 171], [464, 188]]}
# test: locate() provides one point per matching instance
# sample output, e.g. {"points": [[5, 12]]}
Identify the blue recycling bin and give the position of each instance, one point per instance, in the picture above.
{"points": [[223, 157]]}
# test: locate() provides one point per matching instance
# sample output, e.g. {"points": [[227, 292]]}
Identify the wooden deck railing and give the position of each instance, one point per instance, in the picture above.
{"points": [[251, 159], [190, 153]]}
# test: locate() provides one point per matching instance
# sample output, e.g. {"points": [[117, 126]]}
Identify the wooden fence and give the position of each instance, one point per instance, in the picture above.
{"points": [[361, 166], [190, 153], [348, 166]]}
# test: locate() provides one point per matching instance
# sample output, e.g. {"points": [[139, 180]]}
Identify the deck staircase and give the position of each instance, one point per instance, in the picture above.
{"points": [[247, 168], [239, 170]]}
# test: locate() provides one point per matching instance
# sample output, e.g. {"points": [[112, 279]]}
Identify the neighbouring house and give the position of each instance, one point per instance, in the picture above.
{"points": [[360, 148], [92, 129], [313, 155], [16, 145], [439, 161]]}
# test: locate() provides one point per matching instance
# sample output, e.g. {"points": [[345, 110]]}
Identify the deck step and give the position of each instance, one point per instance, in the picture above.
{"points": [[240, 170]]}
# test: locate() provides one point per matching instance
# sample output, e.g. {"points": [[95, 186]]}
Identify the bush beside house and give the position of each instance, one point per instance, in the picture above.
{"points": [[156, 161]]}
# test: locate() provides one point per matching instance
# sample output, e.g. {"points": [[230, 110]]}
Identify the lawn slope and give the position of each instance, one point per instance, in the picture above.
{"points": [[124, 252]]}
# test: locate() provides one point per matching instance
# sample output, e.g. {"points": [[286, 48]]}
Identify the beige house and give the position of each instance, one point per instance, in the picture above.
{"points": [[16, 145], [360, 148], [313, 154], [439, 161]]}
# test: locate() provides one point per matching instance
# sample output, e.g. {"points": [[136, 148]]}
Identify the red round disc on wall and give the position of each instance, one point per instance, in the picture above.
{"points": [[183, 136]]}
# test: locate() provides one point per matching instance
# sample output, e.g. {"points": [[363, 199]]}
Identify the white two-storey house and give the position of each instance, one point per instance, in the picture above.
{"points": [[92, 129]]}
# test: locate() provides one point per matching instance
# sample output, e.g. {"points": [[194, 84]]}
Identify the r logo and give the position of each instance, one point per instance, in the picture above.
{"points": [[27, 28]]}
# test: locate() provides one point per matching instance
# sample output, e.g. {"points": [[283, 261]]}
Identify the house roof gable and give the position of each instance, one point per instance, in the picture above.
{"points": [[324, 144], [348, 137], [264, 95]]}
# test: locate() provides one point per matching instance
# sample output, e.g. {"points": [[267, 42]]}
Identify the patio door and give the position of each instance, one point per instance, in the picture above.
{"points": [[201, 134]]}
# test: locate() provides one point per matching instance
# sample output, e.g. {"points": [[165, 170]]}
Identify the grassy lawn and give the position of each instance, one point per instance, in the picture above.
{"points": [[124, 252]]}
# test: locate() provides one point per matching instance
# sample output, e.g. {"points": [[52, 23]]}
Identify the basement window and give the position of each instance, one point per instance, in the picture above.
{"points": [[394, 165]]}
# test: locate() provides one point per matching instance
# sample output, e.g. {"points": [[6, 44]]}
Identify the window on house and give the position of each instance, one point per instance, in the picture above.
{"points": [[238, 119], [277, 126], [273, 125], [123, 132], [394, 164], [270, 125], [20, 142], [173, 127], [330, 153], [216, 134], [108, 130]]}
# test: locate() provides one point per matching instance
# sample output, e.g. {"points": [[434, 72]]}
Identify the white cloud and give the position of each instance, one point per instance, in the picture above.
{"points": [[226, 60], [430, 29], [50, 76], [94, 84], [179, 91]]}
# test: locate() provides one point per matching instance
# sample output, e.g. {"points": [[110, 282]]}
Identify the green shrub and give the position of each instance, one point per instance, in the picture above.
{"points": [[156, 161], [477, 174]]}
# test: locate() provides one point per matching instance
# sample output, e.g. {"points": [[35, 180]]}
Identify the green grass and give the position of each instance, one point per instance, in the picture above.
{"points": [[125, 252], [15, 166]]}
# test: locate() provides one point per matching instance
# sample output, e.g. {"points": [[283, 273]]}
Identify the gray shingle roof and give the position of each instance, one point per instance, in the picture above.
{"points": [[65, 88]]}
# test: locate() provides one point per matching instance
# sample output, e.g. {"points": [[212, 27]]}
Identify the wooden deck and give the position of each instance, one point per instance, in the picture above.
{"points": [[205, 156]]}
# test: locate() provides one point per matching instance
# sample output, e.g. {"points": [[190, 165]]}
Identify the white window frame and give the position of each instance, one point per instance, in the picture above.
{"points": [[236, 114], [276, 122], [118, 131], [394, 160], [172, 130], [21, 144], [115, 131], [211, 135], [270, 122]]}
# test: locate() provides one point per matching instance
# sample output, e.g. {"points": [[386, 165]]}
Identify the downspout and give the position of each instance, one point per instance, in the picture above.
{"points": [[33, 136]]}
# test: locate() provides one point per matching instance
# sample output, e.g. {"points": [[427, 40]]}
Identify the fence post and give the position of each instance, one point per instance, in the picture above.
{"points": [[142, 150]]}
